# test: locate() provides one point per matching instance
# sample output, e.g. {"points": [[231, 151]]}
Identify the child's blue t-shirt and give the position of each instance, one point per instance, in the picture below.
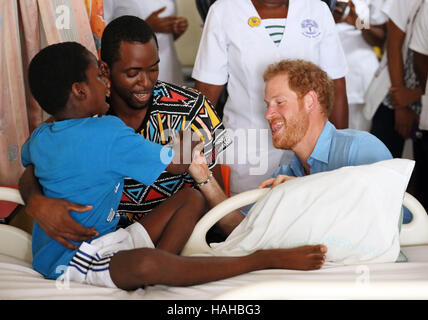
{"points": [[85, 161]]}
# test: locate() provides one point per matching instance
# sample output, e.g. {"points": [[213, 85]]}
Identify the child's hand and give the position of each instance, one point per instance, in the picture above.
{"points": [[185, 144], [275, 181]]}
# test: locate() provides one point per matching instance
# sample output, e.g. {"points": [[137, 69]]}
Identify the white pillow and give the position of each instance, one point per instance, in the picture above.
{"points": [[354, 211]]}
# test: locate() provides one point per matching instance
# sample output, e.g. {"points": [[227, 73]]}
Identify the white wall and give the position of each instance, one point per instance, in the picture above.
{"points": [[187, 44]]}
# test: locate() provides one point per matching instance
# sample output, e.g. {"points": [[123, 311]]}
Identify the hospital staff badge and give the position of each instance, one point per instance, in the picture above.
{"points": [[310, 28], [254, 22]]}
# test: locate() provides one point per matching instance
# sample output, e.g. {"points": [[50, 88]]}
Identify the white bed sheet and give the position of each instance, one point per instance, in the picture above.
{"points": [[372, 281]]}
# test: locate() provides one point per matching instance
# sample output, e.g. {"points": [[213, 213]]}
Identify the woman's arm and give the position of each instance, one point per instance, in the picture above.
{"points": [[210, 91], [404, 117], [339, 113]]}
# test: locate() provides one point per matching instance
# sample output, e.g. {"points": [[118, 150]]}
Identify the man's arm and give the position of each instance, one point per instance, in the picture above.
{"points": [[53, 215], [339, 113], [213, 193]]}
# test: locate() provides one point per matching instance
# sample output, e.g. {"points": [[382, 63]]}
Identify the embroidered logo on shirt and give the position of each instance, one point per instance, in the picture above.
{"points": [[310, 28], [254, 22], [117, 187]]}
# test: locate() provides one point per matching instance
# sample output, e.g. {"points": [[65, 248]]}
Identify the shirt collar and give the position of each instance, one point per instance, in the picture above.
{"points": [[322, 148], [321, 151]]}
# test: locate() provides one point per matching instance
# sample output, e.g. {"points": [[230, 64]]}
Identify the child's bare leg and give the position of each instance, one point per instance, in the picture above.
{"points": [[172, 222], [132, 269]]}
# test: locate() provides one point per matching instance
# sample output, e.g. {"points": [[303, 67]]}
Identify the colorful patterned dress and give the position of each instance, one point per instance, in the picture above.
{"points": [[172, 108]]}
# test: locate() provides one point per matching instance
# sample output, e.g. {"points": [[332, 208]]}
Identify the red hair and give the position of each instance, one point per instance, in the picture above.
{"points": [[304, 76]]}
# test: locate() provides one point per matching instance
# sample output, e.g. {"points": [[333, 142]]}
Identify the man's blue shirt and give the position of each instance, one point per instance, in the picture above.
{"points": [[341, 148], [336, 149]]}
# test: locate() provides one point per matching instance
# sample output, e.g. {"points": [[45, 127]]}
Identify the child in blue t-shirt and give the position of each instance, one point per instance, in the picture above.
{"points": [[84, 156]]}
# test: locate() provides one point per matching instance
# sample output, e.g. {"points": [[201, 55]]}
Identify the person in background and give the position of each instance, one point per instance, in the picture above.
{"points": [[161, 15], [393, 99], [361, 28], [240, 39], [419, 46], [393, 96]]}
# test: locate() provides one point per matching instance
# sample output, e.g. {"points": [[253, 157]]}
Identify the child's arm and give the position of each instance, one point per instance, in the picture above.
{"points": [[52, 215], [185, 145]]}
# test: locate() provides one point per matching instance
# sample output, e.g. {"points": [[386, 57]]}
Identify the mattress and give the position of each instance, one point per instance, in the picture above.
{"points": [[406, 280]]}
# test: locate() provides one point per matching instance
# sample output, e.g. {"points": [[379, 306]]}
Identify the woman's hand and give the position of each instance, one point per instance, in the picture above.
{"points": [[161, 25], [179, 27]]}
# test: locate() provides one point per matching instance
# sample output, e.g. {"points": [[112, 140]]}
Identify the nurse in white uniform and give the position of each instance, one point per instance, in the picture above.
{"points": [[236, 47], [169, 66], [359, 30]]}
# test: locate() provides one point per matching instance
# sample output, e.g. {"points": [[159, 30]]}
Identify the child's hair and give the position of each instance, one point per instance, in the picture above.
{"points": [[124, 28], [304, 76], [53, 71]]}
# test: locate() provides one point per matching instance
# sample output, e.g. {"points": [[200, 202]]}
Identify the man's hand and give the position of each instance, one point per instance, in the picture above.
{"points": [[161, 25], [54, 218], [275, 181]]}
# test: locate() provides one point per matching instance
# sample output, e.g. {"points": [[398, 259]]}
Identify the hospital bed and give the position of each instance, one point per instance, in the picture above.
{"points": [[407, 280]]}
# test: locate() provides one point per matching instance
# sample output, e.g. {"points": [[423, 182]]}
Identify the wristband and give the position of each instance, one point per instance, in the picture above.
{"points": [[200, 184]]}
